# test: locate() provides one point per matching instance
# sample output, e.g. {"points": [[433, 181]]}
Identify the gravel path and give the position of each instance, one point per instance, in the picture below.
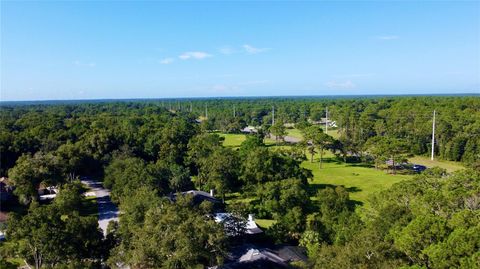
{"points": [[107, 211]]}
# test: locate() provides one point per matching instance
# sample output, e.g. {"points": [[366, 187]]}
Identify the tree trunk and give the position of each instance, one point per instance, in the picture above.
{"points": [[37, 258]]}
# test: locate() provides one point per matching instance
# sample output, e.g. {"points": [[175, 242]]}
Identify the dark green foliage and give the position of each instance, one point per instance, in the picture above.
{"points": [[161, 234], [125, 175], [278, 130], [263, 165], [30, 171], [287, 202], [56, 234], [430, 222], [145, 152]]}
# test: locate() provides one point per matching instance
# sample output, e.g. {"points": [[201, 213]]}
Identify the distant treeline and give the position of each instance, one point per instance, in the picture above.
{"points": [[29, 128], [407, 118]]}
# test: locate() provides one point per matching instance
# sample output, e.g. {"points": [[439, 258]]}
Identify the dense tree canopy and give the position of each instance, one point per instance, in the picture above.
{"points": [[429, 222], [147, 152], [161, 234], [56, 234]]}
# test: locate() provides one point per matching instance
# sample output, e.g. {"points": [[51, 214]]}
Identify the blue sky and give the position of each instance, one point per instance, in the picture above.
{"points": [[92, 50]]}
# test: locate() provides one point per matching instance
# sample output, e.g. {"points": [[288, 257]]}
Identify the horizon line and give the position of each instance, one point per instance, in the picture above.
{"points": [[240, 97]]}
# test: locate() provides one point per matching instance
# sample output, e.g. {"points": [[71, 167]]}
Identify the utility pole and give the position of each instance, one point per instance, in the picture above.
{"points": [[206, 111], [433, 136], [326, 120], [273, 115]]}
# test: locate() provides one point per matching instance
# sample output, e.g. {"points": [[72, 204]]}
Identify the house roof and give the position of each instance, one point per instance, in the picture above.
{"points": [[198, 197], [256, 254], [263, 256], [290, 253], [251, 256]]}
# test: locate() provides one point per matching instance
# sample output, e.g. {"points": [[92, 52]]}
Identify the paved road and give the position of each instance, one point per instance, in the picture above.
{"points": [[107, 211]]}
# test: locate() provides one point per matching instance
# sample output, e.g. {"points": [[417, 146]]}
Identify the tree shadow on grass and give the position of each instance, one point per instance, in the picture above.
{"points": [[364, 165], [313, 188], [332, 160], [316, 161]]}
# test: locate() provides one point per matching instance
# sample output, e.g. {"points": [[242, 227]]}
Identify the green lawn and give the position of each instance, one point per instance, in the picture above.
{"points": [[298, 134], [264, 223], [232, 140], [294, 133], [359, 179], [448, 165], [334, 133]]}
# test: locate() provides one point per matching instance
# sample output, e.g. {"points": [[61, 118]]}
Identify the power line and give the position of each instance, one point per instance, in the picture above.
{"points": [[326, 120], [273, 115]]}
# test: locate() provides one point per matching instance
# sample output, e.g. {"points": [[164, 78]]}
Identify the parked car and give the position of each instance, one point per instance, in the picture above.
{"points": [[418, 168]]}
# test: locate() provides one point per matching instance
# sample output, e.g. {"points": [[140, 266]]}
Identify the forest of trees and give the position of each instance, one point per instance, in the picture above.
{"points": [[146, 150]]}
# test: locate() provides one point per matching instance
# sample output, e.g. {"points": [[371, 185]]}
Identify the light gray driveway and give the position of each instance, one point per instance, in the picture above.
{"points": [[107, 211], [291, 139], [288, 139]]}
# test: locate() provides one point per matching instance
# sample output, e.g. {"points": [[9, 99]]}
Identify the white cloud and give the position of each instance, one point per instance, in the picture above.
{"points": [[79, 63], [227, 50], [197, 55], [388, 37], [167, 61], [340, 84], [252, 50]]}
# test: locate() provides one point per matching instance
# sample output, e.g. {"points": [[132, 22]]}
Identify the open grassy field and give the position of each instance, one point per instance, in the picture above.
{"points": [[294, 133], [361, 180], [235, 140], [298, 134], [334, 133], [448, 165], [232, 140]]}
